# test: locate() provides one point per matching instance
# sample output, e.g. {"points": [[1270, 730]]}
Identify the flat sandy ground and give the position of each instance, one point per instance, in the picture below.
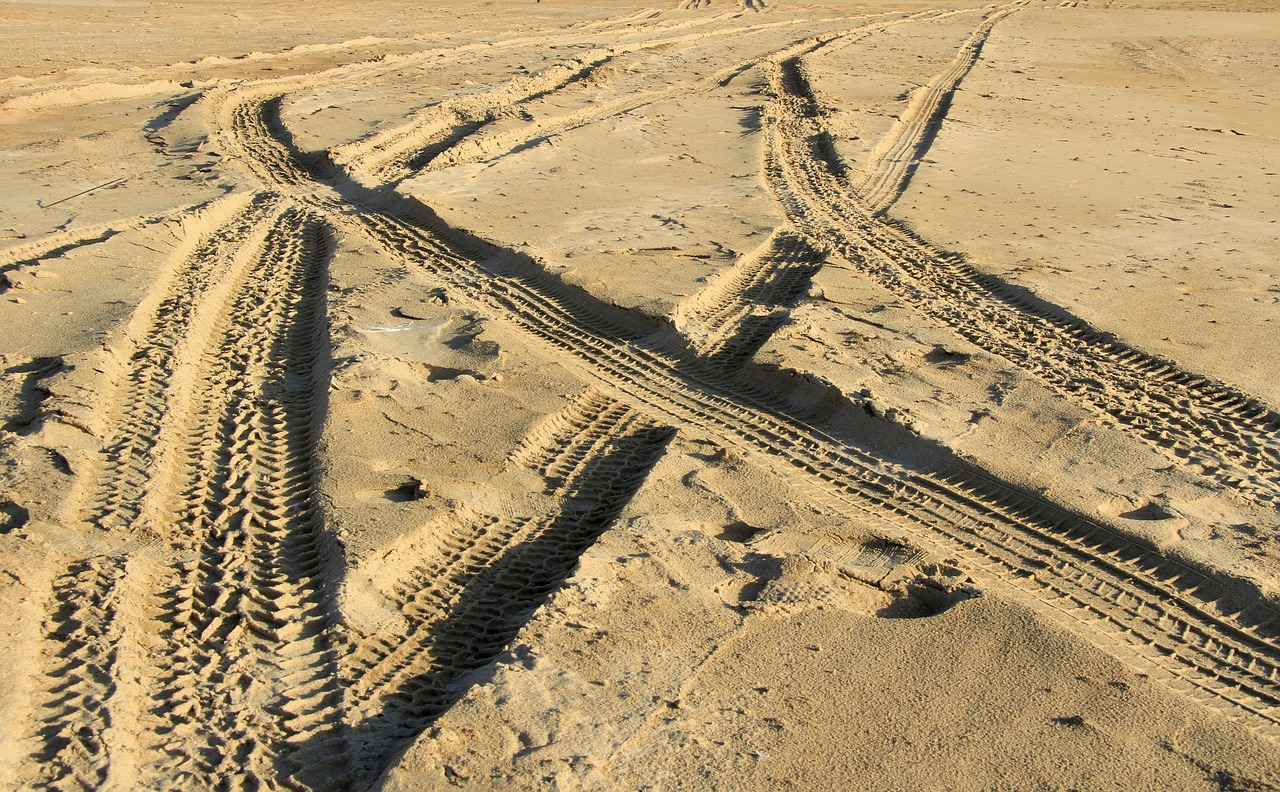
{"points": [[590, 395]]}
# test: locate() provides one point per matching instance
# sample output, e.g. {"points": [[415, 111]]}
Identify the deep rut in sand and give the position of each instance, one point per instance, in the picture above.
{"points": [[469, 592], [1207, 634], [226, 612], [1224, 435], [198, 643]]}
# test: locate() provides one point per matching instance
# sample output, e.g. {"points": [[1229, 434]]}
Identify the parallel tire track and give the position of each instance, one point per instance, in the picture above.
{"points": [[460, 607], [1004, 534], [250, 695], [392, 156], [892, 162], [242, 613], [1233, 439], [1198, 635], [141, 399], [89, 638]]}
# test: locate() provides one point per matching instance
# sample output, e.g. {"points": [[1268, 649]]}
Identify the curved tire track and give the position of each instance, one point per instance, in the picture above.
{"points": [[398, 153], [1213, 636], [445, 135], [892, 162], [461, 606], [1233, 438], [246, 595]]}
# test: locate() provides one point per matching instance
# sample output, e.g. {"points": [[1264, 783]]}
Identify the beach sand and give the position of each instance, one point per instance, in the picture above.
{"points": [[707, 395]]}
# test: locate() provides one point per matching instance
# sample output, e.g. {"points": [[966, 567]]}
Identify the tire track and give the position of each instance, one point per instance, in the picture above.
{"points": [[1212, 636], [733, 317], [141, 401], [396, 154], [559, 448], [212, 429], [893, 161], [487, 147], [432, 138], [87, 641], [1227, 436], [460, 606], [32, 254], [937, 512], [82, 622], [250, 696]]}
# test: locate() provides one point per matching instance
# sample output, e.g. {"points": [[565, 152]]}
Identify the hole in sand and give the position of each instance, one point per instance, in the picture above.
{"points": [[12, 516], [1152, 511], [937, 587], [924, 598], [411, 490], [738, 532], [942, 356]]}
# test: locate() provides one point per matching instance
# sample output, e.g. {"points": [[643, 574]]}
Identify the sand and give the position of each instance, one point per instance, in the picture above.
{"points": [[709, 395]]}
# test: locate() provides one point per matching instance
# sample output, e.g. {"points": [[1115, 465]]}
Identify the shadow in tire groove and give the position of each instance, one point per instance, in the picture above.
{"points": [[1202, 631], [470, 631], [251, 607]]}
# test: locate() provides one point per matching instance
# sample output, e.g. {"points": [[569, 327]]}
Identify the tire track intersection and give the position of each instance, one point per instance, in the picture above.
{"points": [[219, 657], [1207, 635]]}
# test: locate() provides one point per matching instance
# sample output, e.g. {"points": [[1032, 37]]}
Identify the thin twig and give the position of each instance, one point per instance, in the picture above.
{"points": [[82, 192]]}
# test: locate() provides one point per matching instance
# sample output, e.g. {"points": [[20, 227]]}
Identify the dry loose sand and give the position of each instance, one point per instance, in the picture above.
{"points": [[595, 395]]}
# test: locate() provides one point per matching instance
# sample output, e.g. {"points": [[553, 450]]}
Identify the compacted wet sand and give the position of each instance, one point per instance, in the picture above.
{"points": [[578, 395]]}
